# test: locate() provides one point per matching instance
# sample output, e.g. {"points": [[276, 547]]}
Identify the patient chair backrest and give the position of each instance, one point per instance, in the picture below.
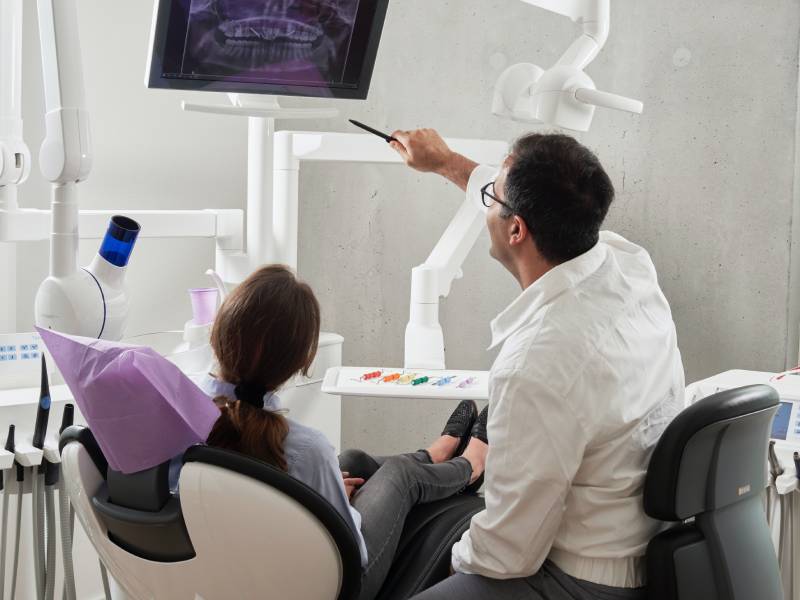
{"points": [[239, 528], [711, 466]]}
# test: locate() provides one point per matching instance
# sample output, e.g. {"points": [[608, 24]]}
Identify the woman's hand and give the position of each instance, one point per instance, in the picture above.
{"points": [[351, 484]]}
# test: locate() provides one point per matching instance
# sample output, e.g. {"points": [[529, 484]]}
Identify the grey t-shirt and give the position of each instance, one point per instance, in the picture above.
{"points": [[310, 457]]}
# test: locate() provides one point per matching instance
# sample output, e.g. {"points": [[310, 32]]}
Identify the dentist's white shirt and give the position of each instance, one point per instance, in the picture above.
{"points": [[588, 378]]}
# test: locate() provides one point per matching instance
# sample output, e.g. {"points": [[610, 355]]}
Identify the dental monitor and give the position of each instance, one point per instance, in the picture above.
{"points": [[321, 48]]}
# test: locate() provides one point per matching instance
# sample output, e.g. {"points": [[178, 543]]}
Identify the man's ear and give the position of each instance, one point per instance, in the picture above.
{"points": [[518, 231]]}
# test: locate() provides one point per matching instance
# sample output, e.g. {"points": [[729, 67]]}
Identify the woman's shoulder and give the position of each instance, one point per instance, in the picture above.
{"points": [[302, 439]]}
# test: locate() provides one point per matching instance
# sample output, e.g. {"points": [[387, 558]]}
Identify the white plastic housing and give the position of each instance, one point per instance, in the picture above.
{"points": [[15, 157], [562, 95], [92, 302]]}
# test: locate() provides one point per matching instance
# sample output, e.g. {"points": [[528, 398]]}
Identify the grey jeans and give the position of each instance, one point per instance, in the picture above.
{"points": [[394, 486], [549, 583]]}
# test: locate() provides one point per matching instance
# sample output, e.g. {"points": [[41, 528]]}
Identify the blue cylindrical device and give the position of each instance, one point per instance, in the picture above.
{"points": [[119, 240]]}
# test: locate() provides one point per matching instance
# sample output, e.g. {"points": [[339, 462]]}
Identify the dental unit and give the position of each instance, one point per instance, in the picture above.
{"points": [[94, 302]]}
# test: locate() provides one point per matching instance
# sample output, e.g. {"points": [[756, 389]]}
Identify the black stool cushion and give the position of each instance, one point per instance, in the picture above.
{"points": [[423, 555]]}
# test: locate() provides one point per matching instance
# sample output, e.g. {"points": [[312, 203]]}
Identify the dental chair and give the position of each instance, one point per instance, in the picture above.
{"points": [[709, 472], [239, 529]]}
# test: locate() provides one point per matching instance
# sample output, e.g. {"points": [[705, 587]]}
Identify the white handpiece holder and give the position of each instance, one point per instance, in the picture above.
{"points": [[6, 460], [26, 455], [50, 450]]}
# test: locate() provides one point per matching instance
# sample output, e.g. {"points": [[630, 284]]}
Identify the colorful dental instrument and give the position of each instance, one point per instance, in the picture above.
{"points": [[468, 382], [406, 379], [372, 375], [420, 380], [445, 381], [392, 377]]}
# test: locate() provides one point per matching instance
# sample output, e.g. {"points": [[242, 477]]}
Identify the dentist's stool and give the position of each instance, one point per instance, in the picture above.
{"points": [[710, 467]]}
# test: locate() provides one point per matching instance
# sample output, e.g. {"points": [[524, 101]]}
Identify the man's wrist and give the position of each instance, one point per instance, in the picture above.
{"points": [[457, 168]]}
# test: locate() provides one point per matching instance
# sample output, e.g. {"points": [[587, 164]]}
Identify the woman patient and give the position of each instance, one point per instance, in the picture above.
{"points": [[266, 332]]}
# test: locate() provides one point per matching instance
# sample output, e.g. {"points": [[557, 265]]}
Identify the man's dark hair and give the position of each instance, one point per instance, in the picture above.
{"points": [[561, 191]]}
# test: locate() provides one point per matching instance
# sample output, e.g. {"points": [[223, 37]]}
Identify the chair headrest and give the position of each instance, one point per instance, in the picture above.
{"points": [[713, 454]]}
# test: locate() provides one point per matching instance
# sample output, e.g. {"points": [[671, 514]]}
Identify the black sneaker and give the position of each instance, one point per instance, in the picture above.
{"points": [[461, 422], [478, 432]]}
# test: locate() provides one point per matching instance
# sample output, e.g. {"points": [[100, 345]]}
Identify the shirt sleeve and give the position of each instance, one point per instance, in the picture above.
{"points": [[326, 478], [535, 449], [481, 175]]}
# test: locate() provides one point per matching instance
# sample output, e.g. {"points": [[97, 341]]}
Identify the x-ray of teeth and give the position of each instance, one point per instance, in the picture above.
{"points": [[276, 40]]}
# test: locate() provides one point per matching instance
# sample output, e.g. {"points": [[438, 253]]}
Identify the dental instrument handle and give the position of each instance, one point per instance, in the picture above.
{"points": [[43, 411], [67, 417], [380, 134], [797, 464]]}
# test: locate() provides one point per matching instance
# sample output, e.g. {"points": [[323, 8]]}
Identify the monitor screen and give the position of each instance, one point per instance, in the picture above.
{"points": [[323, 48], [780, 425]]}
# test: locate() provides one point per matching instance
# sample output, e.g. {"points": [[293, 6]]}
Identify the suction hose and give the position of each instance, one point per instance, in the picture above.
{"points": [[17, 529], [51, 533], [67, 518], [37, 504]]}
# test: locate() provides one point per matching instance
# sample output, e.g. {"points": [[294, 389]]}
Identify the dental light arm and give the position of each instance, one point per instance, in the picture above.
{"points": [[90, 301], [15, 157], [424, 341], [563, 95]]}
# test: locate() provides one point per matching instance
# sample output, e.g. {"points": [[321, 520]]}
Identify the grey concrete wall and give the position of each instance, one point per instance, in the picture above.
{"points": [[705, 177]]}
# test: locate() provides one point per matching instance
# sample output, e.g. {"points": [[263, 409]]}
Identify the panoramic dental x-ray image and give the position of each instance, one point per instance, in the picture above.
{"points": [[277, 40]]}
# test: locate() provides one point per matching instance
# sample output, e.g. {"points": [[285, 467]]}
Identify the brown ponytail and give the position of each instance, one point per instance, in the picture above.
{"points": [[266, 331]]}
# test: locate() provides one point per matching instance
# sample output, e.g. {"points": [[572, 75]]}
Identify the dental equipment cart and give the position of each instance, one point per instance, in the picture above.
{"points": [[783, 497]]}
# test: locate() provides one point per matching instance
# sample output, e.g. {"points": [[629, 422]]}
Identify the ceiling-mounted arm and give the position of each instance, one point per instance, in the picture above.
{"points": [[593, 15], [562, 95]]}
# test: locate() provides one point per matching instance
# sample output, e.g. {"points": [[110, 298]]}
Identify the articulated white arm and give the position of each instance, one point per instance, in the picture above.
{"points": [[593, 15], [562, 95], [14, 153], [65, 156]]}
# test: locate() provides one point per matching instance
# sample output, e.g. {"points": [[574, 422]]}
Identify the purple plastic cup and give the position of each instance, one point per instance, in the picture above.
{"points": [[204, 305]]}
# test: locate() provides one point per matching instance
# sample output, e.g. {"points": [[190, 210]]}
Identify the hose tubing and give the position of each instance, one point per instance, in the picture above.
{"points": [[17, 529], [52, 532], [67, 517], [3, 543]]}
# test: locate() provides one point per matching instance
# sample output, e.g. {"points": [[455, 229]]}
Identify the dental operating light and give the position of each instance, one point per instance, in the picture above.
{"points": [[563, 95]]}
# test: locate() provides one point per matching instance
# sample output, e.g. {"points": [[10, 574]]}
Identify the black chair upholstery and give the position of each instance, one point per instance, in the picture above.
{"points": [[423, 555], [710, 467]]}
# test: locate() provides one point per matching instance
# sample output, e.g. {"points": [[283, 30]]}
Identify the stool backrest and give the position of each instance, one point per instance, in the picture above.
{"points": [[710, 466]]}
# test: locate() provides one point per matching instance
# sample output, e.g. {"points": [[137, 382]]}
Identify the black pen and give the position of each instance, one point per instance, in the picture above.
{"points": [[388, 138]]}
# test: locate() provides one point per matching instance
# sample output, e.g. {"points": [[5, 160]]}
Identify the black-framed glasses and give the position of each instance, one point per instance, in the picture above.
{"points": [[485, 193]]}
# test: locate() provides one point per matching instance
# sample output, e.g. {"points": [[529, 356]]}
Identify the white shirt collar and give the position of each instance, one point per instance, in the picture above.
{"points": [[544, 290]]}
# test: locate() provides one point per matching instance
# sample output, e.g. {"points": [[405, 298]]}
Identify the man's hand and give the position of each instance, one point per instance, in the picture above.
{"points": [[426, 151], [423, 150], [351, 484]]}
